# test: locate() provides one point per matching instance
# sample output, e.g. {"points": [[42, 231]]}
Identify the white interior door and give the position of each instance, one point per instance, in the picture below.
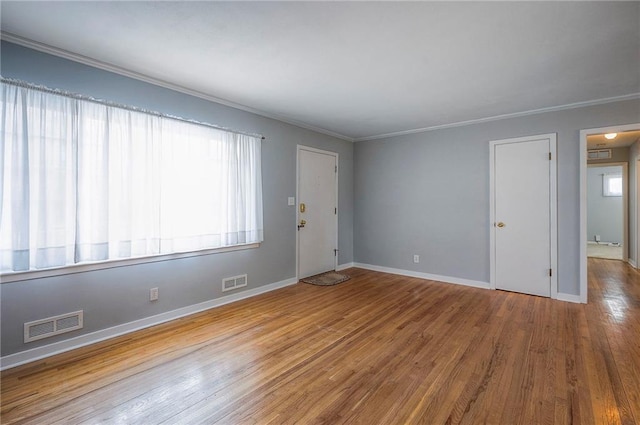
{"points": [[317, 211], [523, 189]]}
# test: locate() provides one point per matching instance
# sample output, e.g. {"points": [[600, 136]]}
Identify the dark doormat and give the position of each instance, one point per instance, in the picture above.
{"points": [[326, 279]]}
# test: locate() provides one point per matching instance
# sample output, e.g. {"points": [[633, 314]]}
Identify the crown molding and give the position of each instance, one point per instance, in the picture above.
{"points": [[85, 60], [575, 105], [42, 47]]}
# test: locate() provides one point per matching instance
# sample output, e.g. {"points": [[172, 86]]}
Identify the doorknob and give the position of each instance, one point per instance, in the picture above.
{"points": [[500, 224], [302, 223]]}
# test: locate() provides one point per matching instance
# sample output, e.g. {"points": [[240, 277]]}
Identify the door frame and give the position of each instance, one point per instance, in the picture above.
{"points": [[583, 197], [553, 206], [337, 157], [625, 202], [636, 217]]}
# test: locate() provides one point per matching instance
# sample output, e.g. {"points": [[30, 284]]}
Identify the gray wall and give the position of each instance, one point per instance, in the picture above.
{"points": [[428, 193], [118, 295], [604, 213]]}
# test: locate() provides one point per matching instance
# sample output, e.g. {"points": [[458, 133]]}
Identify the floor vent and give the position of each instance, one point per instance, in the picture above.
{"points": [[231, 283], [51, 326]]}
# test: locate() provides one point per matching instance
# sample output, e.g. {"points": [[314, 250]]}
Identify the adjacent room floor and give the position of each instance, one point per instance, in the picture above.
{"points": [[610, 252], [378, 349]]}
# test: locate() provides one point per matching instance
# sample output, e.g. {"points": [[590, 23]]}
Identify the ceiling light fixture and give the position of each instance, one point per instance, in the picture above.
{"points": [[610, 136]]}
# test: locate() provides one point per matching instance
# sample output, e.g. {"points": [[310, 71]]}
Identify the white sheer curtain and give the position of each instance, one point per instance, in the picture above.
{"points": [[83, 181]]}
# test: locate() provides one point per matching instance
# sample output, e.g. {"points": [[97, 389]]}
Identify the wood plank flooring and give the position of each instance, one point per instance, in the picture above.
{"points": [[378, 349]]}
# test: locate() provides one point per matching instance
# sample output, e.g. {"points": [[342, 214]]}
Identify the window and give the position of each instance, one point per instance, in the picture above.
{"points": [[612, 185], [83, 181]]}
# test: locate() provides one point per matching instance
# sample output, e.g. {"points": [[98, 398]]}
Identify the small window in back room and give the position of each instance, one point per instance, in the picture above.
{"points": [[612, 185]]}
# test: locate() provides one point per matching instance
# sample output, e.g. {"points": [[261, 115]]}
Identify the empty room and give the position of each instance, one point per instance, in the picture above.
{"points": [[319, 212]]}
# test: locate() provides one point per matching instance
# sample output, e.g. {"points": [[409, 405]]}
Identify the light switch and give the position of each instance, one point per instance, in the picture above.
{"points": [[292, 201]]}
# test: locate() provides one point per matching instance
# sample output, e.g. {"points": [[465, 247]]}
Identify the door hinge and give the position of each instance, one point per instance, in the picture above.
{"points": [[550, 272], [335, 211], [549, 156], [336, 168], [335, 252]]}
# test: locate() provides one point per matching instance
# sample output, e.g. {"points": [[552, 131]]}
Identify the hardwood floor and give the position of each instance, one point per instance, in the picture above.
{"points": [[378, 349]]}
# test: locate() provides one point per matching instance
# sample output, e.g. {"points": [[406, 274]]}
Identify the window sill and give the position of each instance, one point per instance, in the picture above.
{"points": [[108, 264]]}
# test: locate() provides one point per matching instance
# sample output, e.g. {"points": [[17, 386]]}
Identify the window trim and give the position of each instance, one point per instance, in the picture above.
{"points": [[89, 266]]}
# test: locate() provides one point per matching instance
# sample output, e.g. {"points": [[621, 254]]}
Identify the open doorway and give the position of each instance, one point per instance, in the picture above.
{"points": [[615, 145]]}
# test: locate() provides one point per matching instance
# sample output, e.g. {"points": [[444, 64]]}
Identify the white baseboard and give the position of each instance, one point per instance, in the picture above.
{"points": [[632, 263], [17, 359], [570, 298], [428, 276], [344, 266]]}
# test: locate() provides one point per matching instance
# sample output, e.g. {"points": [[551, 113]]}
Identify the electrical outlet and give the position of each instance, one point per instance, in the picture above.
{"points": [[416, 258], [153, 294]]}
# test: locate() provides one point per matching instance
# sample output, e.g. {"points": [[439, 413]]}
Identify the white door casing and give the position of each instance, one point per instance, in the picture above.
{"points": [[583, 201], [523, 215], [317, 190], [625, 202]]}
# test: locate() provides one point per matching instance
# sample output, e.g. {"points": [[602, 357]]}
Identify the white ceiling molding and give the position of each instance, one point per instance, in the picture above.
{"points": [[41, 47], [45, 48], [631, 96]]}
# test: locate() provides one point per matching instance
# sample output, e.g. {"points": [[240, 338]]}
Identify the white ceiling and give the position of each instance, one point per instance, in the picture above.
{"points": [[358, 69], [624, 139]]}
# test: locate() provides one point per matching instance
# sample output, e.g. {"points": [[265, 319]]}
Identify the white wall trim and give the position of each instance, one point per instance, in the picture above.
{"points": [[632, 263], [45, 48], [583, 197], [345, 266], [569, 298], [455, 280], [22, 357], [575, 105], [428, 276]]}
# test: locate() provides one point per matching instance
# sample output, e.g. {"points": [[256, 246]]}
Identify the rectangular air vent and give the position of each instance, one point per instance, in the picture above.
{"points": [[51, 326], [231, 283], [599, 154]]}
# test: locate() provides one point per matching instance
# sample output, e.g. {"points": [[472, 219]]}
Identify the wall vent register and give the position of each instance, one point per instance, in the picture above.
{"points": [[45, 328], [599, 154], [231, 283]]}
